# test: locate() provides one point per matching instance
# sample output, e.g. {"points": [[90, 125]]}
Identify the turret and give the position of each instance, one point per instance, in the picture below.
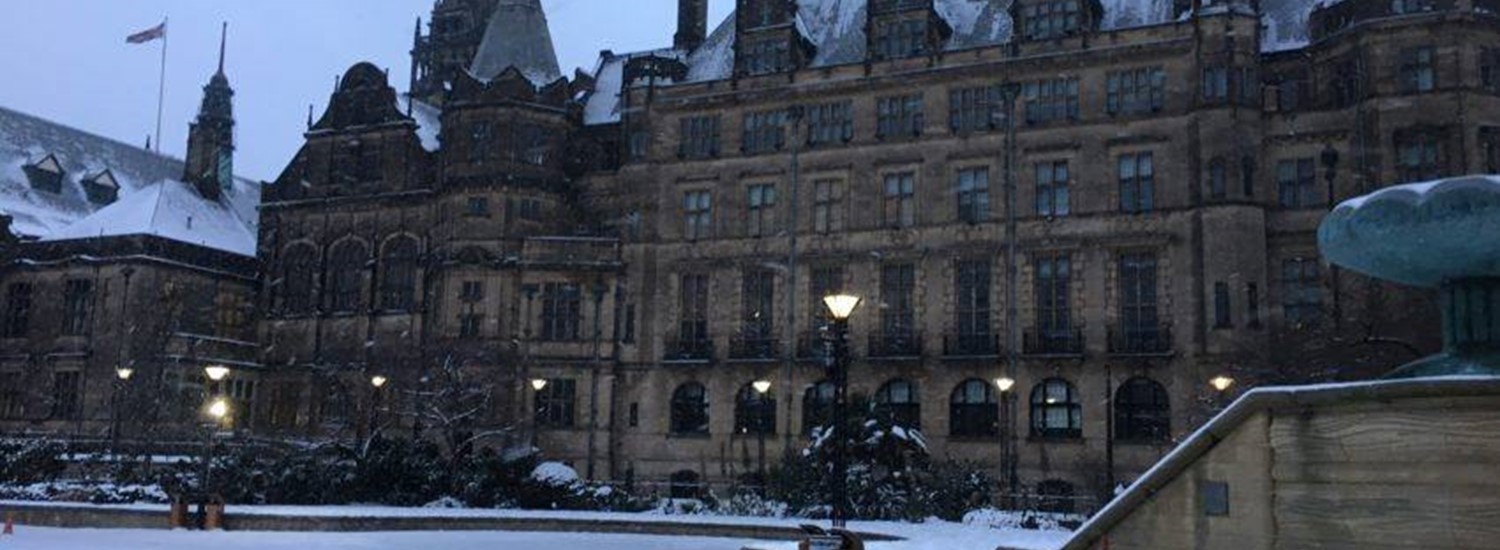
{"points": [[210, 153]]}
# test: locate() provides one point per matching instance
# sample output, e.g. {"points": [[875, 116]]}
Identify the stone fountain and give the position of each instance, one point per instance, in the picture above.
{"points": [[1442, 234]]}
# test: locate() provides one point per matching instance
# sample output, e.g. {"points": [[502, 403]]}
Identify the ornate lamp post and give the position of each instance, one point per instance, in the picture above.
{"points": [[1221, 384], [1007, 453], [761, 387], [377, 383], [840, 306], [122, 377], [537, 385], [218, 410]]}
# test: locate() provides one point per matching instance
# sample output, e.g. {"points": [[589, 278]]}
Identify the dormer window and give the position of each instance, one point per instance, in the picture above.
{"points": [[102, 188], [765, 56], [764, 13], [900, 39], [45, 175], [1051, 18]]}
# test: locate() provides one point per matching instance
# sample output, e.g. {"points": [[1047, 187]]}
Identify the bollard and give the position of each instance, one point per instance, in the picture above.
{"points": [[10, 524], [213, 514], [177, 517]]}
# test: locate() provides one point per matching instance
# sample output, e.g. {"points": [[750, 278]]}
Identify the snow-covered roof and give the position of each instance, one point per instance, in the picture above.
{"points": [[429, 123], [517, 36], [144, 186], [172, 210], [603, 106]]}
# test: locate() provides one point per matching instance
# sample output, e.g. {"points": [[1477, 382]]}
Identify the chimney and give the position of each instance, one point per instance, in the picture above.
{"points": [[692, 24]]}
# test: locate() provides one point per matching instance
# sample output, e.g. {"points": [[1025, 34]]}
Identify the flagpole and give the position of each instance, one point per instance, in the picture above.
{"points": [[161, 87]]}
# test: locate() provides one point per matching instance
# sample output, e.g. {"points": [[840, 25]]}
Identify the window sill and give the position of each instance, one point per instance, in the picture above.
{"points": [[705, 436], [991, 439], [1145, 442], [1071, 440]]}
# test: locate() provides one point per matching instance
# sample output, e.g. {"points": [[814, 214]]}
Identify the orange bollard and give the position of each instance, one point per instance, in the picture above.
{"points": [[10, 524]]}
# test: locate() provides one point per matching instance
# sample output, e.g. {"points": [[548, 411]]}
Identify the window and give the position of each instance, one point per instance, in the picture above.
{"points": [[1135, 91], [398, 287], [634, 415], [758, 57], [1138, 315], [12, 398], [481, 142], [529, 209], [629, 329], [242, 394], [1217, 174], [971, 283], [898, 309], [561, 312], [478, 207], [1216, 495], [899, 208], [1223, 316], [1142, 411], [1252, 304], [78, 300], [827, 218], [758, 290], [1489, 69], [1215, 84], [554, 404], [817, 407], [1247, 176], [346, 283], [1293, 91], [761, 210], [1419, 155], [1055, 410], [697, 210], [1302, 288], [973, 109], [1296, 181], [469, 325], [899, 403], [1417, 72], [1249, 86], [1053, 316], [1346, 81], [693, 308], [1055, 496], [1050, 18], [824, 281], [1137, 183], [640, 143], [763, 13], [471, 291], [1052, 188], [1489, 146], [899, 39], [230, 312], [532, 144], [700, 138], [973, 410], [764, 132], [1051, 100], [829, 123], [898, 116], [297, 277], [17, 310], [690, 409], [66, 401], [974, 195], [754, 412]]}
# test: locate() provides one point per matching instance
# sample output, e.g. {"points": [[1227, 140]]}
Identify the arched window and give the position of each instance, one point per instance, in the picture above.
{"points": [[817, 406], [346, 277], [1055, 495], [297, 276], [754, 412], [690, 409], [398, 276], [685, 484], [1218, 173], [333, 410], [973, 410], [897, 400], [1142, 411], [1055, 411]]}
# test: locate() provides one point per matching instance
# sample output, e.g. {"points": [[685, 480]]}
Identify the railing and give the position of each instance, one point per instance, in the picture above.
{"points": [[895, 344], [1065, 341], [971, 345], [684, 350], [754, 348], [571, 251], [1143, 340]]}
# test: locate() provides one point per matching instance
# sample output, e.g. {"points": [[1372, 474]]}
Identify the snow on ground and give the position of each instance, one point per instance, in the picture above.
{"points": [[39, 538]]}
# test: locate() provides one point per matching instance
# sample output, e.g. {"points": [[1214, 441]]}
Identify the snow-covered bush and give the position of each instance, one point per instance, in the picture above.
{"points": [[78, 491], [1026, 519], [30, 460]]}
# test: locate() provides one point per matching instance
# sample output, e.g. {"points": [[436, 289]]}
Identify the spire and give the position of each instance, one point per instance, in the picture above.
{"points": [[223, 37], [517, 36]]}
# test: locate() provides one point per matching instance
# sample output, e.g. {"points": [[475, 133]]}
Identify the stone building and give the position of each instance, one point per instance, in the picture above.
{"points": [[1110, 203], [119, 259]]}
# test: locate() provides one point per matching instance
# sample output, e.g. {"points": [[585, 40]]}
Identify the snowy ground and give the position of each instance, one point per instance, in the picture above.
{"points": [[39, 538]]}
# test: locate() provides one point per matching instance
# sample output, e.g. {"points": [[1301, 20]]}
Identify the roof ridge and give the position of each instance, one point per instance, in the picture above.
{"points": [[136, 148]]}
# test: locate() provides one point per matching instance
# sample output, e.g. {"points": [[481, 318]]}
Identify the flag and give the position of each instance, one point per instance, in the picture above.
{"points": [[153, 33]]}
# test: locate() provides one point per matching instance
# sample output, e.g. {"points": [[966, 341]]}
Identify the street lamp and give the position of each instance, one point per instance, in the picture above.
{"points": [[1221, 382], [761, 387], [1007, 459], [840, 306], [538, 383], [377, 382], [218, 410], [122, 376]]}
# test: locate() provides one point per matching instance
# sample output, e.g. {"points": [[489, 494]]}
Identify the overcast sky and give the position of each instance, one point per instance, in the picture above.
{"points": [[67, 60]]}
